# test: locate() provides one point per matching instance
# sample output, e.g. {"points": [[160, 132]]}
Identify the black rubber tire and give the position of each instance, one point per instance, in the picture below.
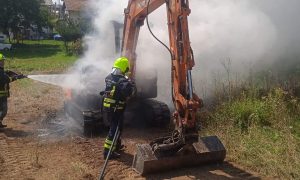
{"points": [[157, 113], [88, 129]]}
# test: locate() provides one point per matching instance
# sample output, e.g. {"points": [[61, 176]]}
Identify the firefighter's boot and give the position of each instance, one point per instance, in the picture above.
{"points": [[120, 147], [113, 155]]}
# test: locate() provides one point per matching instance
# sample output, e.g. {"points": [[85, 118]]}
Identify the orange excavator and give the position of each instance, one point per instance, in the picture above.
{"points": [[183, 147]]}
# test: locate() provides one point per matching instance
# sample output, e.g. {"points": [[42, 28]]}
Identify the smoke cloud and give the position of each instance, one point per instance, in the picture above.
{"points": [[246, 31]]}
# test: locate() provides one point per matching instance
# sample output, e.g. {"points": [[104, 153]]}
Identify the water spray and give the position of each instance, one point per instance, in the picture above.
{"points": [[53, 79]]}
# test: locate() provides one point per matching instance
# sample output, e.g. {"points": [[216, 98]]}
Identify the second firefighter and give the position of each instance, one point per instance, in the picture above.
{"points": [[118, 90]]}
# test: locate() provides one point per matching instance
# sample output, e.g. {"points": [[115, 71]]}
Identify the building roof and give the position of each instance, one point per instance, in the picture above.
{"points": [[47, 2], [75, 5]]}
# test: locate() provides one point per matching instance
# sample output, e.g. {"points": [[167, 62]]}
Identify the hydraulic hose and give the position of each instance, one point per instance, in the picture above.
{"points": [[147, 20], [172, 57]]}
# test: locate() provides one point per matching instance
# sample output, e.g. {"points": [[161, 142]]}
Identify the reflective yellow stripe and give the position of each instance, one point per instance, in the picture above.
{"points": [[106, 105], [3, 93], [109, 100], [108, 142], [112, 92], [111, 103], [107, 146]]}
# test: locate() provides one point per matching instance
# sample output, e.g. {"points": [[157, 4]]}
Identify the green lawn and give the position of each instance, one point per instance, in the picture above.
{"points": [[34, 57]]}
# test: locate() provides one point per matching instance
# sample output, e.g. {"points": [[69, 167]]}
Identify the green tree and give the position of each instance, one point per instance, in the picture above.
{"points": [[16, 16], [69, 30]]}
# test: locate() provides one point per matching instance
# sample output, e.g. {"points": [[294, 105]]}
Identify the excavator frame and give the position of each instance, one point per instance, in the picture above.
{"points": [[183, 147]]}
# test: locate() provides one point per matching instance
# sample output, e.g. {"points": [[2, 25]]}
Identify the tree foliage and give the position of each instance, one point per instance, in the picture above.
{"points": [[16, 15]]}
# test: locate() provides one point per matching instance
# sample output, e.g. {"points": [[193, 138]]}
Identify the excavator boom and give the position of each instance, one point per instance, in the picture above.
{"points": [[135, 15], [183, 147]]}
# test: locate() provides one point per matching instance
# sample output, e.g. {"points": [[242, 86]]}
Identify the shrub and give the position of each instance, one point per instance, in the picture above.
{"points": [[262, 133]]}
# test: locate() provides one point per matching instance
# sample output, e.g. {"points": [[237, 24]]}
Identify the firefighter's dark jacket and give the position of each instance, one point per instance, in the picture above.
{"points": [[118, 88], [4, 83]]}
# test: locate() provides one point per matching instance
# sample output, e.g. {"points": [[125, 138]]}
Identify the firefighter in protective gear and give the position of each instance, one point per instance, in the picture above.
{"points": [[117, 91], [5, 79]]}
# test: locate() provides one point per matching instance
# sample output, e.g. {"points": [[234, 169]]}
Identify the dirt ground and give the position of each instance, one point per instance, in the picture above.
{"points": [[40, 143]]}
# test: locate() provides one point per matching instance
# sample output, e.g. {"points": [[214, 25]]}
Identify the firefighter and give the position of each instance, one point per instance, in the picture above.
{"points": [[118, 90], [5, 79]]}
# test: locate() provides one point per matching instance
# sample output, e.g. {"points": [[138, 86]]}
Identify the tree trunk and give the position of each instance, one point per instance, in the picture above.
{"points": [[66, 46]]}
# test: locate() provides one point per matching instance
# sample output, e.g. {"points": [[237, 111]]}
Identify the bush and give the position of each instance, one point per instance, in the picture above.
{"points": [[275, 110], [77, 47], [261, 133]]}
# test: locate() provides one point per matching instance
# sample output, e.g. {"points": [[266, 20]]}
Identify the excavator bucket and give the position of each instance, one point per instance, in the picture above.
{"points": [[205, 150]]}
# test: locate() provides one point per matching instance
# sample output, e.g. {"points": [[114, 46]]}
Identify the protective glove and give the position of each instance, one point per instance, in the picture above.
{"points": [[102, 93], [21, 76]]}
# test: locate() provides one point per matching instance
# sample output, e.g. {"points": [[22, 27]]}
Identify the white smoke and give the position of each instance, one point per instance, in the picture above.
{"points": [[218, 30], [244, 31], [91, 69]]}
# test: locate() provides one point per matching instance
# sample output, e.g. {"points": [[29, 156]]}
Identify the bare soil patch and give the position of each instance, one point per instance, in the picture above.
{"points": [[36, 145]]}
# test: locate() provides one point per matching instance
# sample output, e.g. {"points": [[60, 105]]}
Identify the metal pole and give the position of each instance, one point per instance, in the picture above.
{"points": [[190, 81], [117, 133]]}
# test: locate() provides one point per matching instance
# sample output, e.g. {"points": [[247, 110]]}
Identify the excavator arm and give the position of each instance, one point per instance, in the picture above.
{"points": [[135, 15], [186, 102], [183, 147]]}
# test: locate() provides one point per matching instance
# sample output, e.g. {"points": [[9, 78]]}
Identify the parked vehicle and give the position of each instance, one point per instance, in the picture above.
{"points": [[57, 37], [5, 46]]}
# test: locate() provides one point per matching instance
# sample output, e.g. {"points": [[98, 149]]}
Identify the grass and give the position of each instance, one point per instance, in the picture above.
{"points": [[260, 129], [35, 57], [260, 132]]}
